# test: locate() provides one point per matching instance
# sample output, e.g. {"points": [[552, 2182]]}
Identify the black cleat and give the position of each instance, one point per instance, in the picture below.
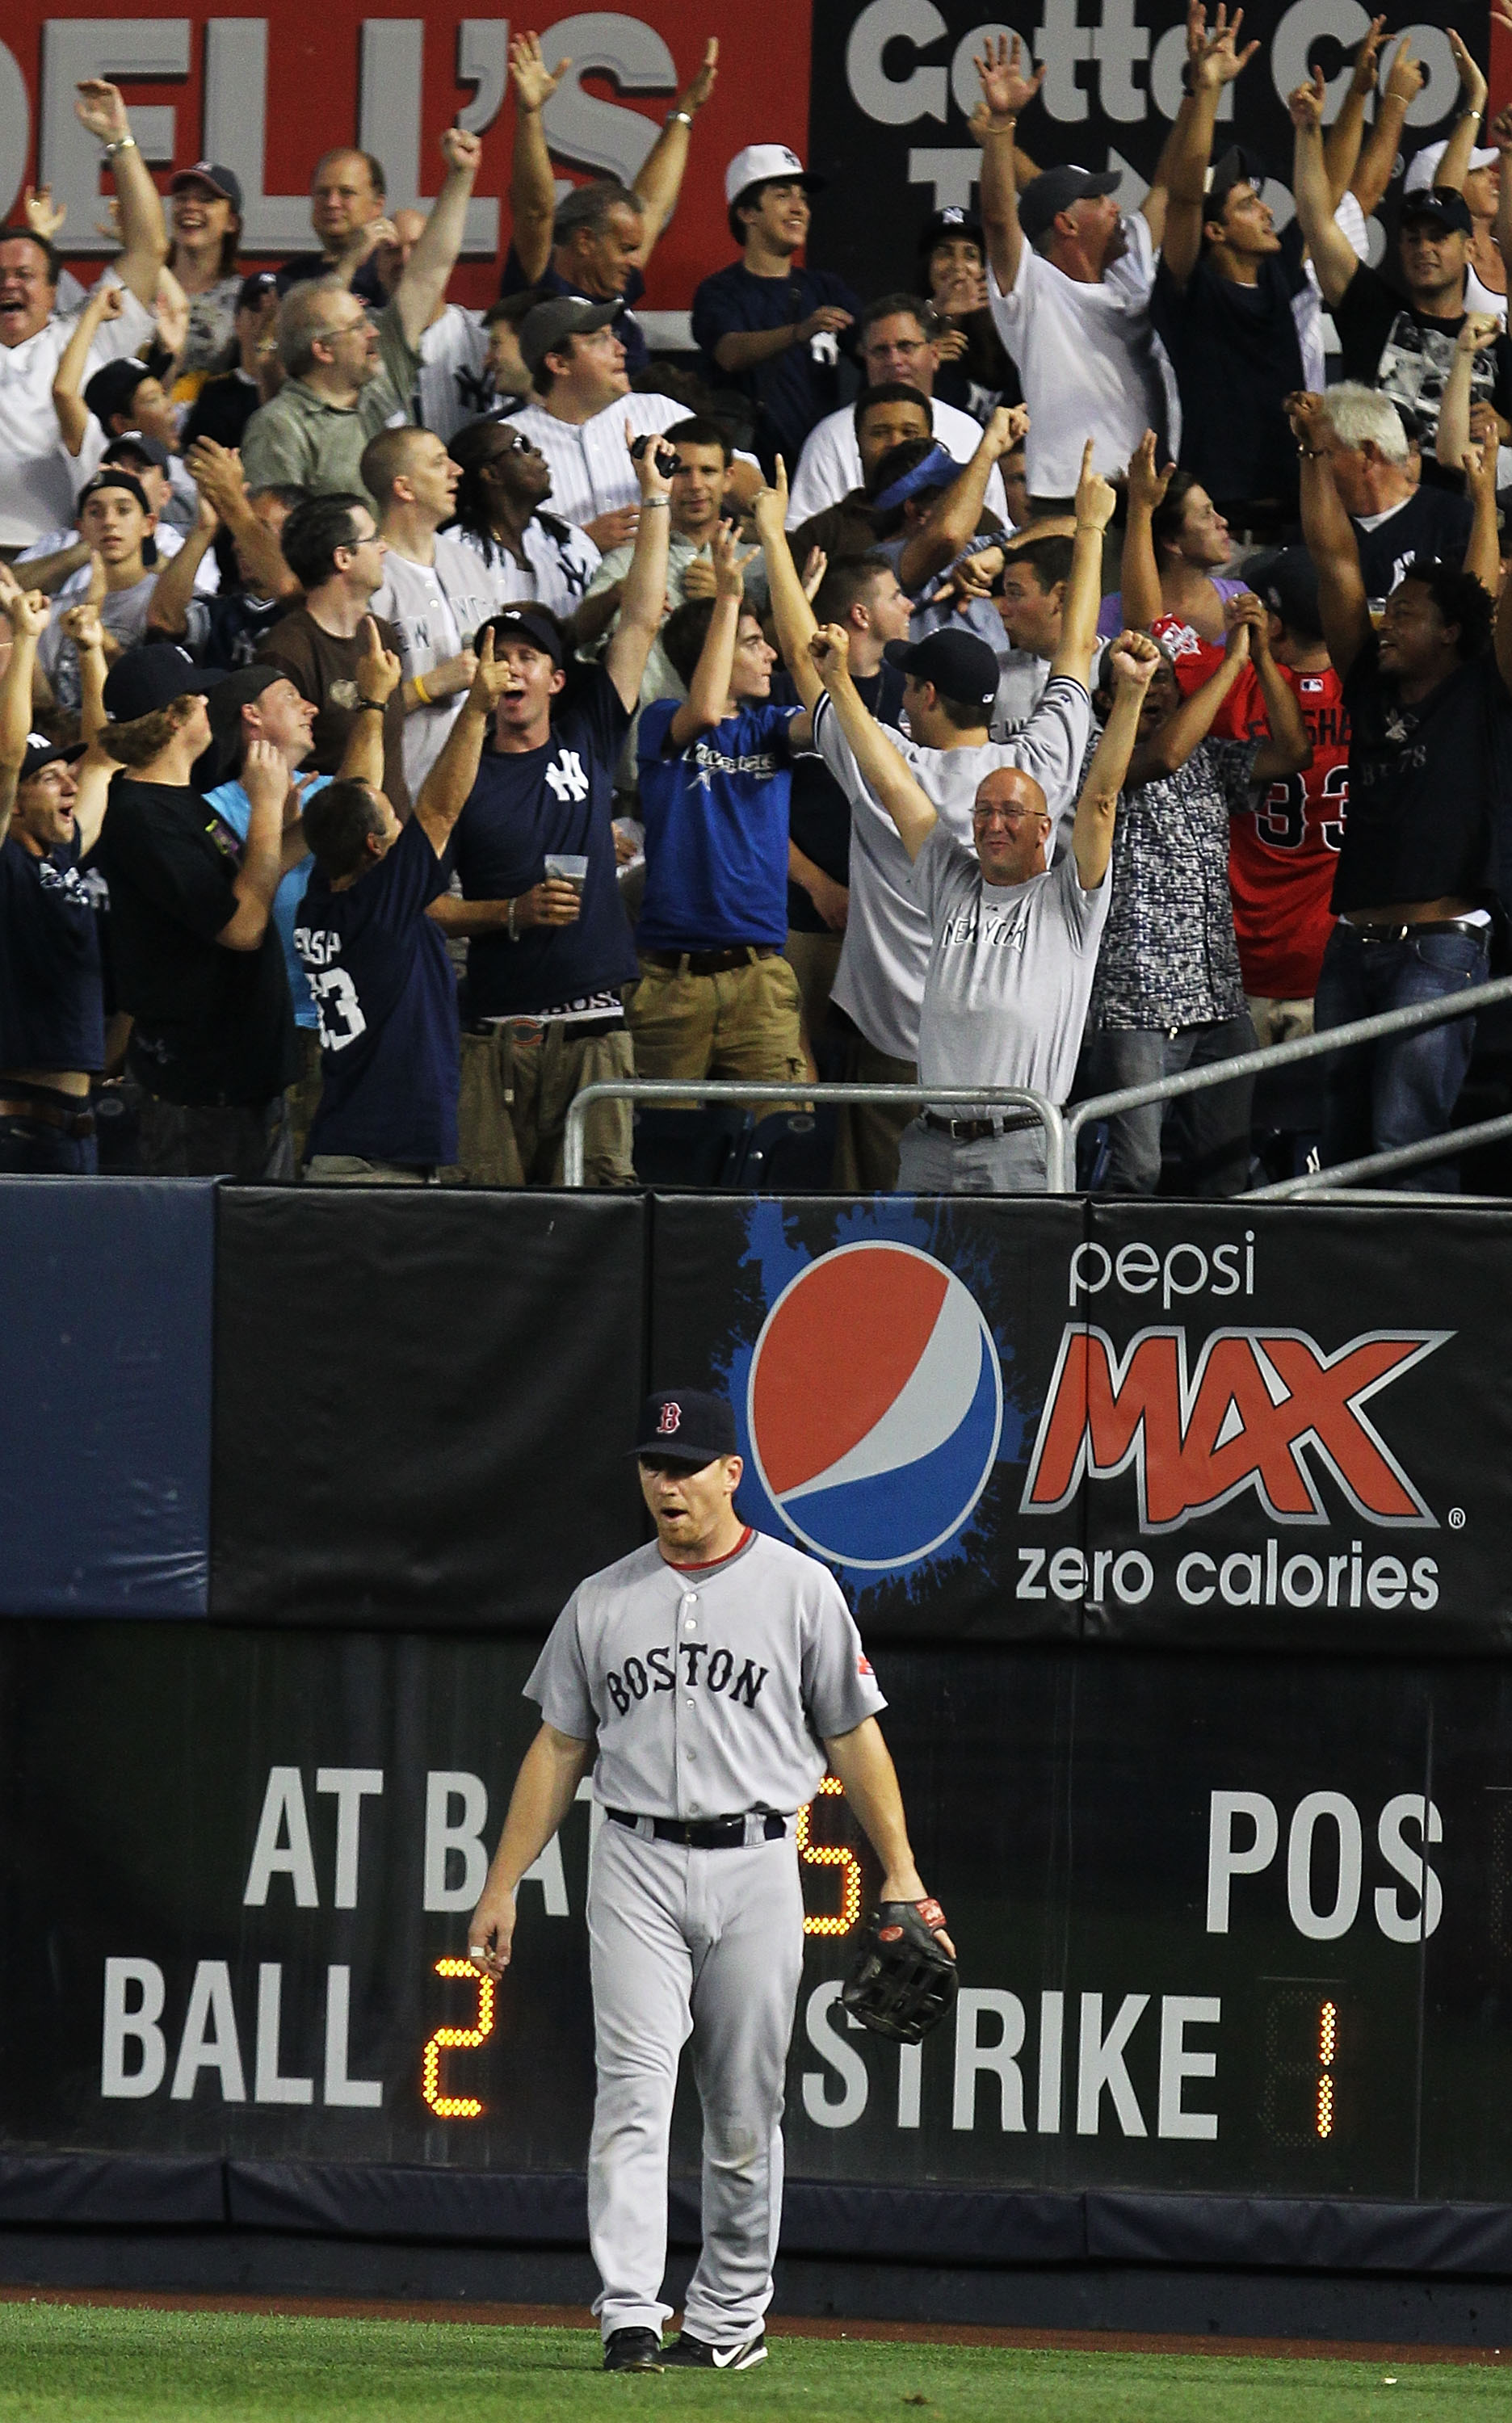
{"points": [[686, 2350], [632, 2351]]}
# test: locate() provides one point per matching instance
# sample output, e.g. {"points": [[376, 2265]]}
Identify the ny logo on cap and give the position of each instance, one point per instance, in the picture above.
{"points": [[669, 1420]]}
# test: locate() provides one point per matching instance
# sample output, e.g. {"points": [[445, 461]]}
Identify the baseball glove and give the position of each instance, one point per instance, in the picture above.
{"points": [[904, 1981]]}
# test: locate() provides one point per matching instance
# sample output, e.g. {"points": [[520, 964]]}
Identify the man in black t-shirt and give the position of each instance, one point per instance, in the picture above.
{"points": [[196, 959], [769, 331], [52, 1028], [1222, 305], [1402, 342], [1430, 763], [549, 947], [1396, 517]]}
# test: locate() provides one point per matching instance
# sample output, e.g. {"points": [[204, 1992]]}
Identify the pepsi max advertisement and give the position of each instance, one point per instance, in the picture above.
{"points": [[1228, 1426]]}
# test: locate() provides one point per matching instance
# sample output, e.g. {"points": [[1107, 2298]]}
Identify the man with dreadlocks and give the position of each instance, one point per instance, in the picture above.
{"points": [[532, 557]]}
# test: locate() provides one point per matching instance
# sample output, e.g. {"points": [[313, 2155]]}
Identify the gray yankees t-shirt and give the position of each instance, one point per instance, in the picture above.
{"points": [[711, 1688], [880, 982], [1011, 971]]}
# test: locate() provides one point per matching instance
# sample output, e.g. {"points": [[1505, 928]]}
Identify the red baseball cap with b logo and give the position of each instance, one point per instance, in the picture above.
{"points": [[691, 1426]]}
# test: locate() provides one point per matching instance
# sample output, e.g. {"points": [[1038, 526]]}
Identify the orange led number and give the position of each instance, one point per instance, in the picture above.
{"points": [[829, 1855], [1327, 2047], [457, 2107]]}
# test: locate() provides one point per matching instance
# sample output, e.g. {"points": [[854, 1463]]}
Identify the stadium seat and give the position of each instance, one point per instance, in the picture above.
{"points": [[790, 1154]]}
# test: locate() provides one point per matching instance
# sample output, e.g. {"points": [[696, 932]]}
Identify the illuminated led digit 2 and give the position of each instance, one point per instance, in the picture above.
{"points": [[457, 2107], [829, 1855]]}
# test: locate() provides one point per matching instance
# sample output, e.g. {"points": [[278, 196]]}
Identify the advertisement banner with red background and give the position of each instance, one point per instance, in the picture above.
{"points": [[267, 95]]}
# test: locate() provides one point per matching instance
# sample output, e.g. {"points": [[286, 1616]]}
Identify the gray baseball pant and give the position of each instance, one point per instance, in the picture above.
{"points": [[708, 1944]]}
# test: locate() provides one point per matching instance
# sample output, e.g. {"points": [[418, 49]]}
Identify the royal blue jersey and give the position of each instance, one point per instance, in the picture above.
{"points": [[716, 829], [387, 999]]}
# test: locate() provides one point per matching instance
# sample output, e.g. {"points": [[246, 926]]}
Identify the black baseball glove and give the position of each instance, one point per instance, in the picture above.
{"points": [[904, 1980]]}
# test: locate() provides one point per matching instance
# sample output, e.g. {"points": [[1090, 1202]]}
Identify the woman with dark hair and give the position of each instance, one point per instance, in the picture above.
{"points": [[206, 232], [1174, 540], [975, 373]]}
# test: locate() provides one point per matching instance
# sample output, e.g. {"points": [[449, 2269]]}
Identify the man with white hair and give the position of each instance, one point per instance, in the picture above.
{"points": [[1394, 517], [346, 378]]}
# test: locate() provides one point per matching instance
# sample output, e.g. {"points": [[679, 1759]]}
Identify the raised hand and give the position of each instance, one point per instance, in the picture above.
{"points": [[1499, 132], [1406, 78], [1367, 59], [1480, 329], [378, 670], [82, 624], [1479, 460], [534, 82], [830, 654], [1008, 428], [1219, 59], [1148, 484], [1244, 624], [43, 217], [106, 303], [653, 480], [216, 472], [264, 775], [101, 111], [1472, 83], [1005, 88], [769, 507], [1095, 500], [1307, 104], [729, 569], [29, 611], [813, 571], [489, 678], [1307, 415], [1132, 657], [462, 151], [698, 577], [703, 82]]}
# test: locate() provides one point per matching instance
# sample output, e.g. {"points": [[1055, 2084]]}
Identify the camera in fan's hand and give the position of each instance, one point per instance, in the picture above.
{"points": [[668, 460]]}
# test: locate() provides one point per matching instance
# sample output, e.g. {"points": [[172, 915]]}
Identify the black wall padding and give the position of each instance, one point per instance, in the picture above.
{"points": [[112, 2191], [422, 1403]]}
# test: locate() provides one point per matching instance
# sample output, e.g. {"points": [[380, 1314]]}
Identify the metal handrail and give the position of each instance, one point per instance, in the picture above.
{"points": [[1060, 1163], [1401, 1156], [727, 1089]]}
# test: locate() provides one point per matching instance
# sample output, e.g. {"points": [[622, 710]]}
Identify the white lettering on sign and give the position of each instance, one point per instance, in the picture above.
{"points": [[1327, 1835]]}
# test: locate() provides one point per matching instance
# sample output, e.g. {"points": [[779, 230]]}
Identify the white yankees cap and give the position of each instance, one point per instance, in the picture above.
{"points": [[766, 163]]}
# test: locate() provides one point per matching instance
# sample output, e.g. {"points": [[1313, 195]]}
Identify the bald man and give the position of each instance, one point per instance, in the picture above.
{"points": [[1012, 947]]}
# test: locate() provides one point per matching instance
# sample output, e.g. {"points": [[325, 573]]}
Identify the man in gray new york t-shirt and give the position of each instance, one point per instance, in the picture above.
{"points": [[1012, 948]]}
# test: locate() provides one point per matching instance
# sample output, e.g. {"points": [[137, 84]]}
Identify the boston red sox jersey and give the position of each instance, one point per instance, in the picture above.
{"points": [[711, 1688], [885, 954]]}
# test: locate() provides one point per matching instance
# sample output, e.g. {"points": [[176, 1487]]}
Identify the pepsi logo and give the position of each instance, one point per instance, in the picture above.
{"points": [[874, 1405]]}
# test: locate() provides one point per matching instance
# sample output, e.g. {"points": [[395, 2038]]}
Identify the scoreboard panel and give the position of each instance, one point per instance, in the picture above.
{"points": [[1236, 1927]]}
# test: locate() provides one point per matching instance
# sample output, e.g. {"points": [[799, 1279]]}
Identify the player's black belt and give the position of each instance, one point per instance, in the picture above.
{"points": [[711, 963], [1475, 927], [973, 1131], [713, 1834]]}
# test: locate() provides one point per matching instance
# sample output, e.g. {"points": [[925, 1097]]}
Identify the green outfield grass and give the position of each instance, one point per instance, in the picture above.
{"points": [[77, 2363]]}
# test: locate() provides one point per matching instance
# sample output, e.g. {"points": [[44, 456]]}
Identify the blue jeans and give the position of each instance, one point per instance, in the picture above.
{"points": [[32, 1148], [1212, 1127], [1395, 1092]]}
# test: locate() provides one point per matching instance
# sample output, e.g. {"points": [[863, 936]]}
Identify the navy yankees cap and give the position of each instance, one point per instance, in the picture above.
{"points": [[1287, 578], [692, 1425], [961, 665], [537, 626], [1055, 190]]}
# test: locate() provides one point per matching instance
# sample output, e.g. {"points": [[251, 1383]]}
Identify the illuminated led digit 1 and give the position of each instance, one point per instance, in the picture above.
{"points": [[1327, 2046], [829, 1855], [458, 2107]]}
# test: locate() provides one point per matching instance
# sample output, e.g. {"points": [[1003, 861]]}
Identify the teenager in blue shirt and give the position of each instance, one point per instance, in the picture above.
{"points": [[716, 996], [378, 968]]}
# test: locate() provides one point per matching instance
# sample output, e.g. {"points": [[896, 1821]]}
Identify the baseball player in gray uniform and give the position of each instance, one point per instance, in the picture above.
{"points": [[707, 1677]]}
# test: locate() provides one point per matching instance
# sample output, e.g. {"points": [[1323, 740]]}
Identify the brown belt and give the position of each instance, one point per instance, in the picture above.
{"points": [[711, 963], [73, 1123], [1475, 926]]}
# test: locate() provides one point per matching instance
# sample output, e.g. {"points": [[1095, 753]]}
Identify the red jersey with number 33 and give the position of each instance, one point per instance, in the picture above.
{"points": [[1283, 849]]}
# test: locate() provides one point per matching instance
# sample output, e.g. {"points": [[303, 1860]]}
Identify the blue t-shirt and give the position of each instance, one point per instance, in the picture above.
{"points": [[627, 327], [231, 803], [387, 997], [558, 799], [716, 830], [50, 1005], [797, 387]]}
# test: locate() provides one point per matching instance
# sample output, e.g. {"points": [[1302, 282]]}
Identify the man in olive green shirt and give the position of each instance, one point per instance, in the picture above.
{"points": [[345, 378]]}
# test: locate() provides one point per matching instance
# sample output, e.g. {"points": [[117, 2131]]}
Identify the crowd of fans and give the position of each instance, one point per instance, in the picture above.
{"points": [[1076, 665]]}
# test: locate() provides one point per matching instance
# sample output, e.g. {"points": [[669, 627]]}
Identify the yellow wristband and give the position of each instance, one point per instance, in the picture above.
{"points": [[421, 691]]}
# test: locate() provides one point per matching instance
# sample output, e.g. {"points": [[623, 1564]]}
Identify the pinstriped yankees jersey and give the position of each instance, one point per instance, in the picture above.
{"points": [[711, 1688]]}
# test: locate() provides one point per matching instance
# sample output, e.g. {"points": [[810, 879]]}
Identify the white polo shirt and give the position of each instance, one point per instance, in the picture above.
{"points": [[37, 475], [830, 464]]}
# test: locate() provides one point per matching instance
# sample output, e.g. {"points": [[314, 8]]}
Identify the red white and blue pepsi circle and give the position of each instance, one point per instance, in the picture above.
{"points": [[874, 1405]]}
